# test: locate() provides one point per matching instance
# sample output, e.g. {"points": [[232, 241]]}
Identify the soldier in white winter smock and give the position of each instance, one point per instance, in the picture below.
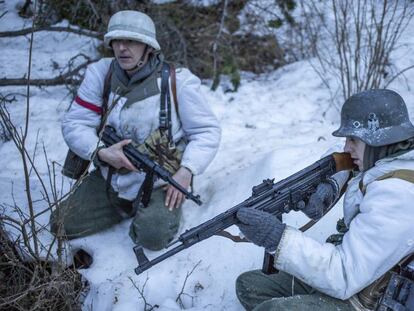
{"points": [[376, 240], [125, 92]]}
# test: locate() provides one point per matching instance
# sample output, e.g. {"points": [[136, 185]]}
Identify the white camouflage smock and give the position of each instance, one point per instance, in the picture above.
{"points": [[381, 233], [197, 123]]}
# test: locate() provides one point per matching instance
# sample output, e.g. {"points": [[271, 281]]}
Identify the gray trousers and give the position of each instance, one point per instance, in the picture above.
{"points": [[282, 292], [90, 209]]}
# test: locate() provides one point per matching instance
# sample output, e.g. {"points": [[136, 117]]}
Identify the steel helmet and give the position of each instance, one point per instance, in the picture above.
{"points": [[131, 25], [377, 117]]}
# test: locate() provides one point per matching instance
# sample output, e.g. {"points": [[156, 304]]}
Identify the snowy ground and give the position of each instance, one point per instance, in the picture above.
{"points": [[273, 126]]}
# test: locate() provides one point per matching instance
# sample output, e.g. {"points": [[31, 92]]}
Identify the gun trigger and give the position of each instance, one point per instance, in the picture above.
{"points": [[139, 253]]}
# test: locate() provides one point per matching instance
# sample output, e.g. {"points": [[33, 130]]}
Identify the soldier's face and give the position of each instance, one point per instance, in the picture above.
{"points": [[356, 148], [128, 53]]}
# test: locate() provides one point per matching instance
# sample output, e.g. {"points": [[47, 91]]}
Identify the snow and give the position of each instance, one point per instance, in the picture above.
{"points": [[275, 125]]}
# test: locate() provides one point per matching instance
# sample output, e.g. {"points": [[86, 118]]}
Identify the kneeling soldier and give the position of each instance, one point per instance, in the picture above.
{"points": [[183, 137]]}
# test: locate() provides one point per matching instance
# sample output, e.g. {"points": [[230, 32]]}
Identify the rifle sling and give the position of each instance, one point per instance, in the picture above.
{"points": [[144, 193], [238, 239], [234, 238]]}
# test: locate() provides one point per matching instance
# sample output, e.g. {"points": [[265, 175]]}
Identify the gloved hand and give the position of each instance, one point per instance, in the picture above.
{"points": [[261, 228], [320, 200]]}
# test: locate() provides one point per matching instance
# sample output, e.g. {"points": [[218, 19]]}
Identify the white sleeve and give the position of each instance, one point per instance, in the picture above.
{"points": [[80, 122], [378, 238], [199, 123]]}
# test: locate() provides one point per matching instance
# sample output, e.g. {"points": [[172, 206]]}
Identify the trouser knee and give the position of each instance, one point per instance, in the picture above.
{"points": [[89, 209], [244, 290], [154, 239], [154, 231], [154, 227]]}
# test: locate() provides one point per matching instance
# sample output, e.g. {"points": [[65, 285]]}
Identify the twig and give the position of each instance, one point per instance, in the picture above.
{"points": [[147, 306], [398, 74], [24, 136], [364, 37], [178, 299], [95, 12]]}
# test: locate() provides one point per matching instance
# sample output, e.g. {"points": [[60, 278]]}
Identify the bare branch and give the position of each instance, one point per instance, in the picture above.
{"points": [[397, 75], [27, 31], [364, 37], [147, 306], [66, 78], [182, 293]]}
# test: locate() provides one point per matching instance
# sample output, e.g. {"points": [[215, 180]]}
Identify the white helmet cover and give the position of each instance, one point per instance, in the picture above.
{"points": [[131, 25]]}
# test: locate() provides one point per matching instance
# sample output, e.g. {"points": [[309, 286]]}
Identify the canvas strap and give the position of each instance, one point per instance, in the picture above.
{"points": [[165, 104], [407, 175]]}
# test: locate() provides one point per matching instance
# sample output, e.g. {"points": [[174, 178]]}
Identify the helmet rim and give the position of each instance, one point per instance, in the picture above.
{"points": [[131, 25], [129, 35], [381, 137]]}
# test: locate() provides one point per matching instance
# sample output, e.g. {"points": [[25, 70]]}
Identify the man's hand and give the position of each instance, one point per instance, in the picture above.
{"points": [[114, 156], [174, 198], [261, 228], [320, 200]]}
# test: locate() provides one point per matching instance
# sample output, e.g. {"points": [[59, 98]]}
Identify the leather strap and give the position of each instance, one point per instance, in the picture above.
{"points": [[405, 262], [174, 88], [234, 238], [144, 193]]}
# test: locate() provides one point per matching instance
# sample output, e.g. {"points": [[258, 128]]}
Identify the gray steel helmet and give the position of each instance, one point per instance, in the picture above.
{"points": [[131, 25], [377, 117]]}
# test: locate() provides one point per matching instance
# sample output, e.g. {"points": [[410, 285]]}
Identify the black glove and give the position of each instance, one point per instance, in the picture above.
{"points": [[261, 228], [320, 200]]}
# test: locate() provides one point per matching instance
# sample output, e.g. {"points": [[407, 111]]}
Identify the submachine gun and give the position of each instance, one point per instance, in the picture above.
{"points": [[273, 198], [144, 163]]}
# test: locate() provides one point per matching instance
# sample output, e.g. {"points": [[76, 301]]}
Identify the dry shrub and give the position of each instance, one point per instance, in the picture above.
{"points": [[35, 285], [32, 278], [207, 40]]}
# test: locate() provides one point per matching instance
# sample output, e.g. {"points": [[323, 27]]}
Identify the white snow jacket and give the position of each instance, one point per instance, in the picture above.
{"points": [[381, 233], [197, 123]]}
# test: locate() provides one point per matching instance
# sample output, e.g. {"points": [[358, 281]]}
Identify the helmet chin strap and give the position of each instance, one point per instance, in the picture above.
{"points": [[141, 60]]}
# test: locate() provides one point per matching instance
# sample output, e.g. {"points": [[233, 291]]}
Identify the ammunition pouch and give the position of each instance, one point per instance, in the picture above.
{"points": [[158, 148], [394, 291], [370, 295], [399, 294], [74, 165]]}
